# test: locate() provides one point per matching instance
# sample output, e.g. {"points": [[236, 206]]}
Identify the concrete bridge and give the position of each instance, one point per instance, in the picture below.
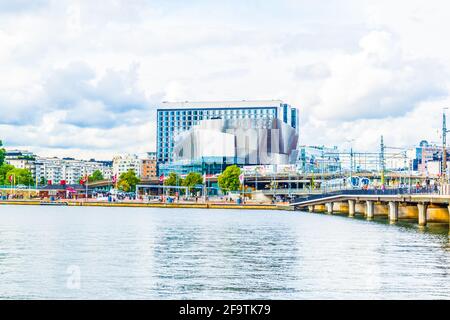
{"points": [[423, 207]]}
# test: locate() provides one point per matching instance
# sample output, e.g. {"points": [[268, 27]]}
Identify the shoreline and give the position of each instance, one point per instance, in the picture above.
{"points": [[149, 205]]}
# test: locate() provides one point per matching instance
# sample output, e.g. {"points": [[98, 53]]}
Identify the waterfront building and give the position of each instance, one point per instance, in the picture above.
{"points": [[68, 170], [174, 118], [55, 170], [426, 158], [149, 166], [126, 162], [212, 145], [21, 159]]}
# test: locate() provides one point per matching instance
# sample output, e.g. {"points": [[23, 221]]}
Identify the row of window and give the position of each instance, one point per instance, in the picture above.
{"points": [[166, 145], [177, 114], [211, 111], [193, 120], [172, 126]]}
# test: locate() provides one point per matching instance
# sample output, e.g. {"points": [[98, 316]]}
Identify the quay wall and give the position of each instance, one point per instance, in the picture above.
{"points": [[437, 214], [150, 205]]}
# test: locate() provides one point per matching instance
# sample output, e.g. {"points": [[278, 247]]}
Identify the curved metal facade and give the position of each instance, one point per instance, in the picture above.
{"points": [[238, 141]]}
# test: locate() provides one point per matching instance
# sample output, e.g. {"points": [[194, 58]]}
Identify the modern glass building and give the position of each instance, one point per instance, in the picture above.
{"points": [[212, 145], [174, 118]]}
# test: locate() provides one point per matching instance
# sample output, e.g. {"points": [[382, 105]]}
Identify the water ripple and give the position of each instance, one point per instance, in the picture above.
{"points": [[125, 253]]}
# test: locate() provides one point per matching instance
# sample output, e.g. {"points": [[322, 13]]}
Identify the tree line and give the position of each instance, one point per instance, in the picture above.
{"points": [[10, 175], [228, 180]]}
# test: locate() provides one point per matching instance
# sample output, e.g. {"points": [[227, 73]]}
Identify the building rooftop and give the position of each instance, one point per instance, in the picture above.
{"points": [[219, 104]]}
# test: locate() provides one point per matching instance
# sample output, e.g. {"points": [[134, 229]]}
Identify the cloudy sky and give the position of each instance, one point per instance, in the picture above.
{"points": [[82, 78]]}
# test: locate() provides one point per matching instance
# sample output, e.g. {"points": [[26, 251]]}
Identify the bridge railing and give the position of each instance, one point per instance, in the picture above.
{"points": [[356, 192]]}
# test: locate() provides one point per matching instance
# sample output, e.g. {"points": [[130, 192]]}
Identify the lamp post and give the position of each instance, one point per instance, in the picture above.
{"points": [[351, 160], [256, 179], [444, 146], [87, 181], [13, 182], [289, 175], [382, 161]]}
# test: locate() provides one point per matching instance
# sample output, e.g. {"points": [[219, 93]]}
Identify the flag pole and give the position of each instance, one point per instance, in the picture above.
{"points": [[87, 181]]}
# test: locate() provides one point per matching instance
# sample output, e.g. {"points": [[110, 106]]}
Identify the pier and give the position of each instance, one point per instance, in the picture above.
{"points": [[424, 208]]}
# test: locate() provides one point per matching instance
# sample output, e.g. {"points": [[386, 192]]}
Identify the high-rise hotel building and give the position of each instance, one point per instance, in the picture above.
{"points": [[176, 117]]}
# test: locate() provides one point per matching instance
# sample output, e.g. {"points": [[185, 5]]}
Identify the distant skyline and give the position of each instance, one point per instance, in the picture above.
{"points": [[83, 79]]}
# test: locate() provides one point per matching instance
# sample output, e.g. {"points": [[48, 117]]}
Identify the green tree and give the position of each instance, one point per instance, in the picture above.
{"points": [[192, 179], [229, 179], [124, 185], [43, 182], [173, 180], [96, 176], [128, 181], [2, 153], [21, 176], [4, 168]]}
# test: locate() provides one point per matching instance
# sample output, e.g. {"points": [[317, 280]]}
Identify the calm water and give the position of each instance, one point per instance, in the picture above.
{"points": [[122, 253]]}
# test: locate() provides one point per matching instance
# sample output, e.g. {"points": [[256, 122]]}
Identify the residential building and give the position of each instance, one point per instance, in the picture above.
{"points": [[149, 166], [68, 170], [54, 170], [423, 159], [126, 162], [21, 159], [174, 118]]}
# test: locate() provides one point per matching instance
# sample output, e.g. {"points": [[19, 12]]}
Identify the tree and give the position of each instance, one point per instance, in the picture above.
{"points": [[173, 180], [2, 153], [96, 176], [229, 179], [20, 176], [43, 182], [128, 181], [4, 168], [124, 185], [192, 179]]}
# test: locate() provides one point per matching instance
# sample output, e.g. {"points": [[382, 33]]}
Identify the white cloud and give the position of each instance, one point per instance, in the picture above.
{"points": [[378, 82], [81, 78]]}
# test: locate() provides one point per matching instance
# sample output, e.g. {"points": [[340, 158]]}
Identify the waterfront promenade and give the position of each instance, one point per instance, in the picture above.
{"points": [[138, 204]]}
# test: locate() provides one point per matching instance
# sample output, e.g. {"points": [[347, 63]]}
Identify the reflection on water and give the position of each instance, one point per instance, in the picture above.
{"points": [[119, 253]]}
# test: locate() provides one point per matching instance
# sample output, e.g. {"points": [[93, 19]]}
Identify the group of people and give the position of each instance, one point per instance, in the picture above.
{"points": [[426, 186], [13, 196]]}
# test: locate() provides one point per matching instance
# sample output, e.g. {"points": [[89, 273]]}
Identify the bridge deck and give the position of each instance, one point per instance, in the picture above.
{"points": [[411, 198]]}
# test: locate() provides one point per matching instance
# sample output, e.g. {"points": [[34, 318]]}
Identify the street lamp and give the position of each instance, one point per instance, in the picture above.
{"points": [[444, 145], [350, 141]]}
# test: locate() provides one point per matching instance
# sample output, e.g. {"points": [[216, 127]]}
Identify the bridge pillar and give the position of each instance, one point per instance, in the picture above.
{"points": [[329, 206], [393, 211], [311, 208], [351, 208], [422, 213], [370, 206]]}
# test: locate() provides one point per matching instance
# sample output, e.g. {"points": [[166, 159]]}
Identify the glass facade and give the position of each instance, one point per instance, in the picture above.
{"points": [[175, 120], [204, 165]]}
